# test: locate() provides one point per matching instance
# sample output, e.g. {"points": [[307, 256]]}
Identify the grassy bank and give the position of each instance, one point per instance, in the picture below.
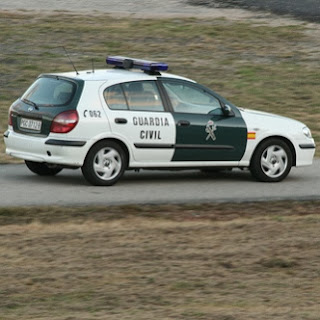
{"points": [[222, 261], [261, 66]]}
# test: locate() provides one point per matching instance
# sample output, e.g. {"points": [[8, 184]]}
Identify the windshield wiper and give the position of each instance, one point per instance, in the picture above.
{"points": [[31, 103]]}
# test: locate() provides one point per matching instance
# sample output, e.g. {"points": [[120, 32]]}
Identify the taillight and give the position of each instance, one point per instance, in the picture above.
{"points": [[65, 122], [10, 117]]}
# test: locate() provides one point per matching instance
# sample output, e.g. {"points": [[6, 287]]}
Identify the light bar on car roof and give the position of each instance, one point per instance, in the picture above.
{"points": [[131, 63]]}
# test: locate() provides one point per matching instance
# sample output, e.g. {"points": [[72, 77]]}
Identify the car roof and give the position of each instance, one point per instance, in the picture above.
{"points": [[115, 74]]}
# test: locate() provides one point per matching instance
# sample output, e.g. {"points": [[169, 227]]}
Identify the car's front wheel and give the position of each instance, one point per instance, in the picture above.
{"points": [[43, 169], [104, 164], [272, 161]]}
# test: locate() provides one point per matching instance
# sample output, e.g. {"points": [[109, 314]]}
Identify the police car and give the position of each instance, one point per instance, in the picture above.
{"points": [[135, 115]]}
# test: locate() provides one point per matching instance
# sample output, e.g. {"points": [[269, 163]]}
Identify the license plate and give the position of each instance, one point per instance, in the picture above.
{"points": [[30, 124]]}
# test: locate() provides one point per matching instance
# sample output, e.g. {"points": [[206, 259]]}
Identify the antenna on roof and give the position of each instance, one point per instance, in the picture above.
{"points": [[92, 65], [77, 73]]}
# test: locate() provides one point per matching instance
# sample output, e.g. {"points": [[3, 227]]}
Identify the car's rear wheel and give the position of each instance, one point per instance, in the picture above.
{"points": [[272, 161], [43, 169], [104, 164]]}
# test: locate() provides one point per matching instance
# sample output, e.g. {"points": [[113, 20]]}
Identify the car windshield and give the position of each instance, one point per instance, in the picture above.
{"points": [[49, 91]]}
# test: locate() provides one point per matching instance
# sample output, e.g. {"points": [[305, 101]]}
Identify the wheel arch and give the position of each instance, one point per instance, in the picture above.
{"points": [[284, 139]]}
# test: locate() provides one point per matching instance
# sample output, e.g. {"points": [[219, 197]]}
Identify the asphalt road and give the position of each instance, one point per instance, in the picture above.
{"points": [[302, 9], [20, 187]]}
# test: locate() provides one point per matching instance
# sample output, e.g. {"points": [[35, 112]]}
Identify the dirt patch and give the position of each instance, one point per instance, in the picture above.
{"points": [[135, 9], [163, 263], [177, 213]]}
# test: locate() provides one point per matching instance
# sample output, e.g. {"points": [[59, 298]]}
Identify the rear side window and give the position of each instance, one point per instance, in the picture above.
{"points": [[136, 96], [50, 92], [115, 98]]}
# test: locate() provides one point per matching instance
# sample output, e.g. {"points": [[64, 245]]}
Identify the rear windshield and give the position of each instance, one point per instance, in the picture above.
{"points": [[50, 92]]}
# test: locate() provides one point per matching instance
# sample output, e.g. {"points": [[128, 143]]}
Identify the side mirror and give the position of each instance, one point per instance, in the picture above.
{"points": [[227, 111]]}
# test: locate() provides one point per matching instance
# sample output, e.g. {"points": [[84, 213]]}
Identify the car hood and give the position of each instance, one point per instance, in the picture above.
{"points": [[262, 113], [270, 122]]}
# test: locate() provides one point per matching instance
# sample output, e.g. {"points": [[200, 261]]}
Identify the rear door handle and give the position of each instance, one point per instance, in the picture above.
{"points": [[183, 123], [120, 120]]}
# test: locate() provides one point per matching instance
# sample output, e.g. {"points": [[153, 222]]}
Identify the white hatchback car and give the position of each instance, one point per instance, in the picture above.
{"points": [[136, 116]]}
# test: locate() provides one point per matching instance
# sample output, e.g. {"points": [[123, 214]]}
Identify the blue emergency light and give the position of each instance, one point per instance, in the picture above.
{"points": [[131, 63]]}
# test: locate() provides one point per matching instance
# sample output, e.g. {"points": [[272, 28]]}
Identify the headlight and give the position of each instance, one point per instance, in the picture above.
{"points": [[306, 131]]}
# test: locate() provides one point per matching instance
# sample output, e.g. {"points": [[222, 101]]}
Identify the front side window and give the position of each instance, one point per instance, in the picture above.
{"points": [[136, 96], [188, 98], [50, 92]]}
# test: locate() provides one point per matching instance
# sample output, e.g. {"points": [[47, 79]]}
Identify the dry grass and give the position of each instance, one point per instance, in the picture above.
{"points": [[257, 65], [218, 261]]}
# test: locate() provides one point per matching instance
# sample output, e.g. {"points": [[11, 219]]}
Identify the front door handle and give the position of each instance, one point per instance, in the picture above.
{"points": [[183, 123], [120, 120]]}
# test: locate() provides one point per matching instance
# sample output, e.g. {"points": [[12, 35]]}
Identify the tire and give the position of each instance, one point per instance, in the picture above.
{"points": [[105, 164], [43, 169], [272, 161]]}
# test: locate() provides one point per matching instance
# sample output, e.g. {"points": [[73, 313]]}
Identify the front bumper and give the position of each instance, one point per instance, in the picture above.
{"points": [[305, 152]]}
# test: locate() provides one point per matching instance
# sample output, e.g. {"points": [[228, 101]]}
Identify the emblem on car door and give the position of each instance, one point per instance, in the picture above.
{"points": [[210, 129]]}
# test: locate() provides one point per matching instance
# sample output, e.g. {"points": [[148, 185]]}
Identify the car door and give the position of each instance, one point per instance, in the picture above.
{"points": [[203, 131], [137, 116]]}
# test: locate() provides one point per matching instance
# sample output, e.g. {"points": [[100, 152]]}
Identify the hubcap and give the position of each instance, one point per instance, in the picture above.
{"points": [[107, 163], [274, 161]]}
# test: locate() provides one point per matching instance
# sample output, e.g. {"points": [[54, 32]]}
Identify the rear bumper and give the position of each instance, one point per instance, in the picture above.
{"points": [[65, 143], [57, 151]]}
